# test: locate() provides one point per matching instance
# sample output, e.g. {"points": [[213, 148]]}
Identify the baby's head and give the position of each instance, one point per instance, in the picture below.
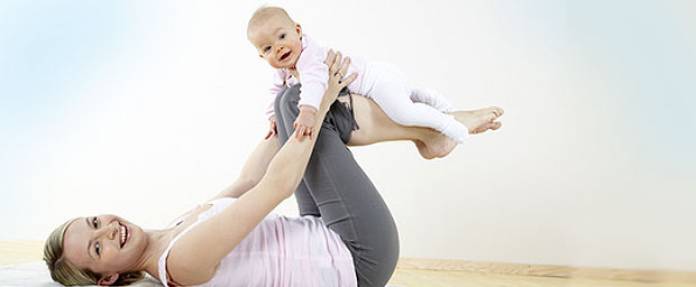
{"points": [[276, 36]]}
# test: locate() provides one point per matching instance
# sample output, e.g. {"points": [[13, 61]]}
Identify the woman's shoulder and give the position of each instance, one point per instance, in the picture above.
{"points": [[195, 213], [179, 257]]}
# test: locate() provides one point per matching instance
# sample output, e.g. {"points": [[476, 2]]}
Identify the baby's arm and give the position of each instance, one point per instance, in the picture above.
{"points": [[313, 74], [273, 128], [277, 87], [304, 121]]}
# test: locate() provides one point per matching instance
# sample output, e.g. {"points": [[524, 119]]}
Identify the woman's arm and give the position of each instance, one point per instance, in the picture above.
{"points": [[254, 169], [222, 233]]}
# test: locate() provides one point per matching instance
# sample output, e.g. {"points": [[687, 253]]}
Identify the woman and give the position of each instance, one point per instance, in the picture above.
{"points": [[233, 241]]}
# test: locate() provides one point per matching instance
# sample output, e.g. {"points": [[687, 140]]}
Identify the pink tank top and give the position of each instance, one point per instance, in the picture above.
{"points": [[280, 251]]}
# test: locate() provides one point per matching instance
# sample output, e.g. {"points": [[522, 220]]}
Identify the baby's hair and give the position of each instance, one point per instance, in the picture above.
{"points": [[263, 13]]}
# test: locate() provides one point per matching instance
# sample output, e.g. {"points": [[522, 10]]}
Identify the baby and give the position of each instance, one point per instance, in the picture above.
{"points": [[296, 58]]}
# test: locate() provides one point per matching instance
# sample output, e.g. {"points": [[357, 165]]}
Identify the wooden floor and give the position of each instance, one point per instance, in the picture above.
{"points": [[432, 278], [13, 252]]}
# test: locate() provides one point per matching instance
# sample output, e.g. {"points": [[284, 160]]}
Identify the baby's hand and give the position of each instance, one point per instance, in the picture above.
{"points": [[273, 128], [305, 122]]}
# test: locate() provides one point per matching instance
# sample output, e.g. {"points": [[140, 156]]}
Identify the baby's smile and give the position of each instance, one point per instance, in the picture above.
{"points": [[285, 56]]}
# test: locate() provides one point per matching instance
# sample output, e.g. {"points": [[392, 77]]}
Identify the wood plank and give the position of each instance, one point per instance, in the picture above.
{"points": [[434, 278], [549, 270], [13, 252]]}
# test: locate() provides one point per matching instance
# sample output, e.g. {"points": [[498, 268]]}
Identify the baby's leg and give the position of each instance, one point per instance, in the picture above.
{"points": [[407, 113], [436, 100], [432, 98], [392, 94]]}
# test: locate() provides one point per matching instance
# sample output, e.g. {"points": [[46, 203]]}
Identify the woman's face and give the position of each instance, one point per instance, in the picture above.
{"points": [[104, 244]]}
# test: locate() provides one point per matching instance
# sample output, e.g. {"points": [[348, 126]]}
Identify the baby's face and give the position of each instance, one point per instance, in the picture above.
{"points": [[278, 42]]}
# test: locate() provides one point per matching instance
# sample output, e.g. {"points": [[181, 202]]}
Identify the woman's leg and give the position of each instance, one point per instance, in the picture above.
{"points": [[348, 201], [305, 202], [376, 126]]}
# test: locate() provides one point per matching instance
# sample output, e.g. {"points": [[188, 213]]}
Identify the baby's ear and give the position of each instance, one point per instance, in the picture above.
{"points": [[298, 29]]}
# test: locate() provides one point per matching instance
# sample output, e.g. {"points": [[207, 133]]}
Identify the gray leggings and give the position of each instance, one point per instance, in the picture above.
{"points": [[336, 189]]}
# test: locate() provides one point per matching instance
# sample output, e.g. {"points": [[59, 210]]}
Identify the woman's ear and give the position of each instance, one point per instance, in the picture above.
{"points": [[108, 280]]}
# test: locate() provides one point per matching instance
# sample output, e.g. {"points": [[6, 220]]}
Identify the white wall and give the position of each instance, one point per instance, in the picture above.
{"points": [[143, 109]]}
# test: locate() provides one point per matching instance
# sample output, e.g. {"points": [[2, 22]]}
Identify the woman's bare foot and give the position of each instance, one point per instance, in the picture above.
{"points": [[497, 111], [488, 126], [423, 150], [440, 145], [436, 146], [479, 121]]}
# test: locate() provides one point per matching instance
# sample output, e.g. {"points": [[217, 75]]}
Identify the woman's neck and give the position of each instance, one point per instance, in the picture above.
{"points": [[158, 240]]}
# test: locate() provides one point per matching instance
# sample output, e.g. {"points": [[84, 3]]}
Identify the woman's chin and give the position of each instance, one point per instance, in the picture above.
{"points": [[135, 237]]}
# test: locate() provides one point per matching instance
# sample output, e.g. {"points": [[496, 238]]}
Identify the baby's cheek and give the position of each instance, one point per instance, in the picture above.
{"points": [[272, 63]]}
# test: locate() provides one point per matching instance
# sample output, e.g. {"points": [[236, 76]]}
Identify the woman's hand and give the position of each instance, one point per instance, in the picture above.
{"points": [[338, 67]]}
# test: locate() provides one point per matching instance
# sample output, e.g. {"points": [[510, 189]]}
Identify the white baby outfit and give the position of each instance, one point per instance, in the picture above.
{"points": [[381, 82]]}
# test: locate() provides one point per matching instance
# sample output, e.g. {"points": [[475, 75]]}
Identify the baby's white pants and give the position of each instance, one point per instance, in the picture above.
{"points": [[409, 106]]}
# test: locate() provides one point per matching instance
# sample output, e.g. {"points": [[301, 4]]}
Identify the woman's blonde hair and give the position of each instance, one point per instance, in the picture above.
{"points": [[66, 273]]}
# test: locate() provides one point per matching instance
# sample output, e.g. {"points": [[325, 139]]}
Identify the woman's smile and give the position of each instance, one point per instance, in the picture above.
{"points": [[123, 234]]}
